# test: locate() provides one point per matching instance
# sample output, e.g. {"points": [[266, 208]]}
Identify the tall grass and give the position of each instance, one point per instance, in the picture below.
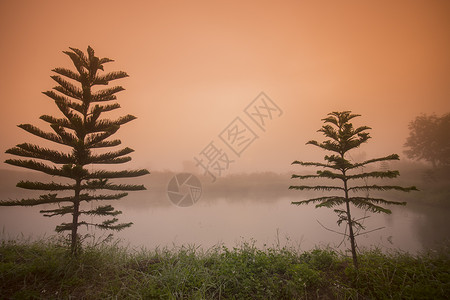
{"points": [[46, 270]]}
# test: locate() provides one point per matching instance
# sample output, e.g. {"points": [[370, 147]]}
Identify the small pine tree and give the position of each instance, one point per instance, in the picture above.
{"points": [[343, 137], [82, 130]]}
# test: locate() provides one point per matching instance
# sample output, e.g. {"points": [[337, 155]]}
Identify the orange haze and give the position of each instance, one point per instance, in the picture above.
{"points": [[195, 65]]}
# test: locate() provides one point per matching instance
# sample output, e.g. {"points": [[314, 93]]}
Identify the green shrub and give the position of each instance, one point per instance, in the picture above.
{"points": [[44, 269]]}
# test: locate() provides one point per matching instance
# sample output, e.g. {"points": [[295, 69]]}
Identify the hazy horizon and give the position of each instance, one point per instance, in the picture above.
{"points": [[194, 67], [199, 69]]}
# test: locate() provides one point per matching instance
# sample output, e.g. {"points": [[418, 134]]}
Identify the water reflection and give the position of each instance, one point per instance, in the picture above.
{"points": [[243, 209]]}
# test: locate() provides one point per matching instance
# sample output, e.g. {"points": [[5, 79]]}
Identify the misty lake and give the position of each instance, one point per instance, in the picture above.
{"points": [[239, 210]]}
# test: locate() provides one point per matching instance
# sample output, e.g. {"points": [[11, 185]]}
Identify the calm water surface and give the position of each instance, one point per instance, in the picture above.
{"points": [[222, 220]]}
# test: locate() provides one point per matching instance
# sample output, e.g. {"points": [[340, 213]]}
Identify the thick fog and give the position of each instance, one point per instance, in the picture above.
{"points": [[197, 72]]}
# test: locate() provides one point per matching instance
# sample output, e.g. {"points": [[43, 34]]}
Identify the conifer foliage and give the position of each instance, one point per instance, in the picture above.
{"points": [[82, 130], [341, 138], [429, 139]]}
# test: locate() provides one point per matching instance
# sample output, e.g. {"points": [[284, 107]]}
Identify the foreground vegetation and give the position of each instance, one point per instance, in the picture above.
{"points": [[45, 269]]}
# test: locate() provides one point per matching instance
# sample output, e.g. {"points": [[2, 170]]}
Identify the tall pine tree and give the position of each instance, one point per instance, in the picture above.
{"points": [[82, 130], [341, 138]]}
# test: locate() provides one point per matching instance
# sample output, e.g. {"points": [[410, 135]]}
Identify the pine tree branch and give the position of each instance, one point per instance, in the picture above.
{"points": [[330, 132], [340, 233], [29, 185], [56, 96], [315, 188], [105, 144], [315, 164], [109, 156], [65, 109], [320, 174], [93, 116], [376, 200], [326, 145], [33, 151], [43, 199], [294, 176], [45, 135], [68, 73], [105, 210], [389, 157], [34, 165], [331, 119], [108, 125], [68, 138], [353, 143], [92, 57], [330, 175], [368, 206], [382, 188], [53, 199], [314, 200], [104, 108], [65, 226], [96, 140], [105, 79], [338, 162], [58, 211], [361, 129], [340, 118], [103, 185], [118, 227], [375, 174], [105, 60], [90, 185], [119, 160], [106, 94], [116, 174], [82, 59], [57, 121], [79, 65], [87, 197], [68, 171], [342, 216], [111, 161], [106, 225], [71, 104], [67, 88], [332, 202], [362, 218], [370, 231]]}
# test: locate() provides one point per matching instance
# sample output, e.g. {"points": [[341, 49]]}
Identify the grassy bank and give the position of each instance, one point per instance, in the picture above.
{"points": [[45, 270]]}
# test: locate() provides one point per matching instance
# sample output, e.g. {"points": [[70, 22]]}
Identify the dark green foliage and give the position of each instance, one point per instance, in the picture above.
{"points": [[46, 270], [402, 276], [429, 139], [81, 129], [341, 138]]}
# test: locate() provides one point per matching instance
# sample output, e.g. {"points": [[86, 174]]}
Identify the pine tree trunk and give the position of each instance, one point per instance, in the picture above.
{"points": [[352, 236], [76, 209], [350, 227]]}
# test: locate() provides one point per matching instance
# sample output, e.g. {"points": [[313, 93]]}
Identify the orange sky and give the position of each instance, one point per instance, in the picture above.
{"points": [[195, 65]]}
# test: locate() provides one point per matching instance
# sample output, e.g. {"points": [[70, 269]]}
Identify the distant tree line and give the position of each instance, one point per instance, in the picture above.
{"points": [[429, 139]]}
